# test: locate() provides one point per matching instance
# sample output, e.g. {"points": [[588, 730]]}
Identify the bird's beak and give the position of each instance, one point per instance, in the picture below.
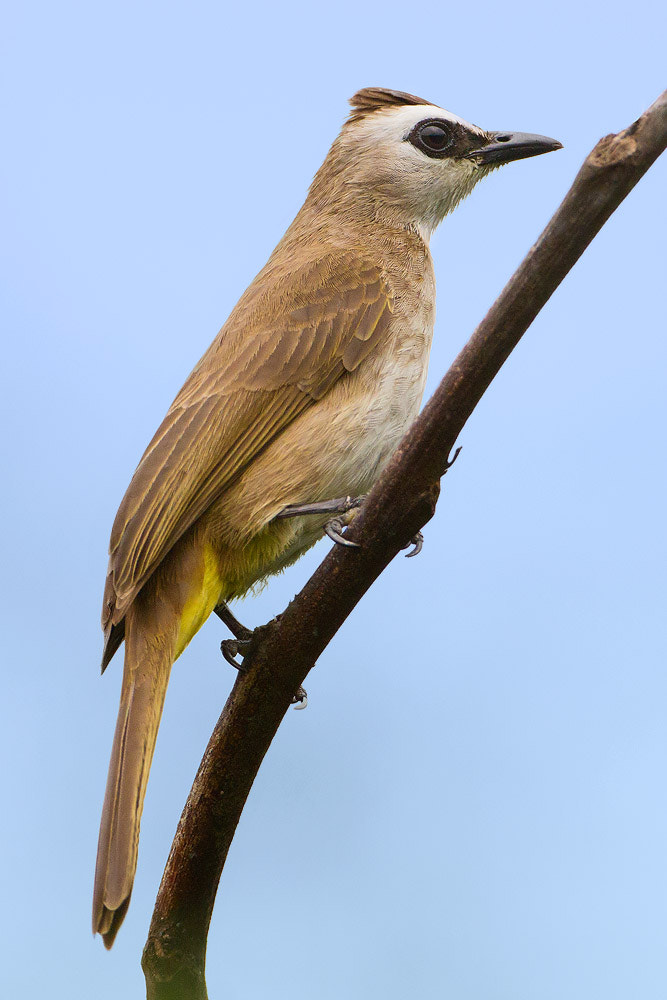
{"points": [[503, 147]]}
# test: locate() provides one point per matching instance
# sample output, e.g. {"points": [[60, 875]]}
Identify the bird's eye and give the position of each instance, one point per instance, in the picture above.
{"points": [[433, 138]]}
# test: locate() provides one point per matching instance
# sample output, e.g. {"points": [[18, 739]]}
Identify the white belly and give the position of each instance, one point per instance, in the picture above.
{"points": [[363, 436]]}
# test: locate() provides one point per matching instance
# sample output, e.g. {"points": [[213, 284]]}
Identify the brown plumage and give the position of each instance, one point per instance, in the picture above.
{"points": [[200, 494], [257, 376], [302, 397], [372, 99]]}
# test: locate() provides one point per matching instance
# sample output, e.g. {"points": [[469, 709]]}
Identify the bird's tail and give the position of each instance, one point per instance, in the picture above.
{"points": [[148, 660]]}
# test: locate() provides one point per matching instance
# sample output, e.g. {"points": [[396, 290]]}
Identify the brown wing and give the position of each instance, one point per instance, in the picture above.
{"points": [[291, 337]]}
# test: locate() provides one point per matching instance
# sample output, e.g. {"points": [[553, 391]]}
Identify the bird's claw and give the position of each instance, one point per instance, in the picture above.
{"points": [[230, 649], [418, 542], [450, 461], [300, 699], [334, 529]]}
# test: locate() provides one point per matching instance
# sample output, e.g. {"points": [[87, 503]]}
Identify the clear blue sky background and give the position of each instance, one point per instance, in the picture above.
{"points": [[473, 805]]}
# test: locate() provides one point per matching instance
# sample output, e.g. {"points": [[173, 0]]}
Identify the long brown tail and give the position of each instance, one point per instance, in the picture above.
{"points": [[148, 660]]}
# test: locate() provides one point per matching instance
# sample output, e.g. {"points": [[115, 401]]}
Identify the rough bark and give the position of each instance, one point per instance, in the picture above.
{"points": [[400, 504]]}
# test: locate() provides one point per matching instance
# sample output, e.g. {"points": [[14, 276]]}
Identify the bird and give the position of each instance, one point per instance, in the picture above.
{"points": [[302, 397]]}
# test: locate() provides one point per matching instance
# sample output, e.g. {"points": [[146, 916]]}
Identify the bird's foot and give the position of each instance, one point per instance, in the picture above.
{"points": [[240, 646], [334, 530], [342, 507], [449, 463], [418, 542], [231, 648], [300, 699]]}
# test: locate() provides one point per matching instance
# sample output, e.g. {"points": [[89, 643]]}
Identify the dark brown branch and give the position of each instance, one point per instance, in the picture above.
{"points": [[401, 502]]}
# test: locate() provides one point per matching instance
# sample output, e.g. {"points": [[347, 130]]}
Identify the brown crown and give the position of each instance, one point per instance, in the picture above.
{"points": [[371, 99]]}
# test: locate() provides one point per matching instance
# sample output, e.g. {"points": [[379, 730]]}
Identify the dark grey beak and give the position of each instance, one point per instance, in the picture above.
{"points": [[504, 147]]}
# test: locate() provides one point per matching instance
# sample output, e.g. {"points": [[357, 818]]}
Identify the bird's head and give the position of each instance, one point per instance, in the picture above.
{"points": [[412, 160]]}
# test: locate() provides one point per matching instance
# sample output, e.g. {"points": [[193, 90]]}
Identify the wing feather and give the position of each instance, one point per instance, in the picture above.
{"points": [[291, 337]]}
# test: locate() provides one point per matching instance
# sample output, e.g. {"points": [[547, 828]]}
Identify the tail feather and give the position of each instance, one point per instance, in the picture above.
{"points": [[145, 679]]}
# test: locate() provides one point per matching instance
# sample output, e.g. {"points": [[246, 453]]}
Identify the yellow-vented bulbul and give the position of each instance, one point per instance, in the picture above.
{"points": [[301, 397]]}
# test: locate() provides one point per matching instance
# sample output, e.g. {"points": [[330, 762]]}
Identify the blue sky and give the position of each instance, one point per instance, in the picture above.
{"points": [[473, 804]]}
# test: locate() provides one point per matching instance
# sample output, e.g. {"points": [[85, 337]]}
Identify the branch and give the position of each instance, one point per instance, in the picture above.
{"points": [[401, 502]]}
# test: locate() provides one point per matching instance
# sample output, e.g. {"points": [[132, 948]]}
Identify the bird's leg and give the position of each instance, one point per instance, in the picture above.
{"points": [[230, 648], [333, 528], [240, 644], [231, 621], [341, 507]]}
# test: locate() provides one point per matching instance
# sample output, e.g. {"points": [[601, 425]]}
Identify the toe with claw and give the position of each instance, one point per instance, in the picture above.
{"points": [[300, 699], [418, 542], [231, 648], [240, 646], [334, 529], [450, 461]]}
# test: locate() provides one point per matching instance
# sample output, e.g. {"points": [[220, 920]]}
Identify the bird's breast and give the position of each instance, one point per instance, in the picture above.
{"points": [[339, 445], [380, 402]]}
